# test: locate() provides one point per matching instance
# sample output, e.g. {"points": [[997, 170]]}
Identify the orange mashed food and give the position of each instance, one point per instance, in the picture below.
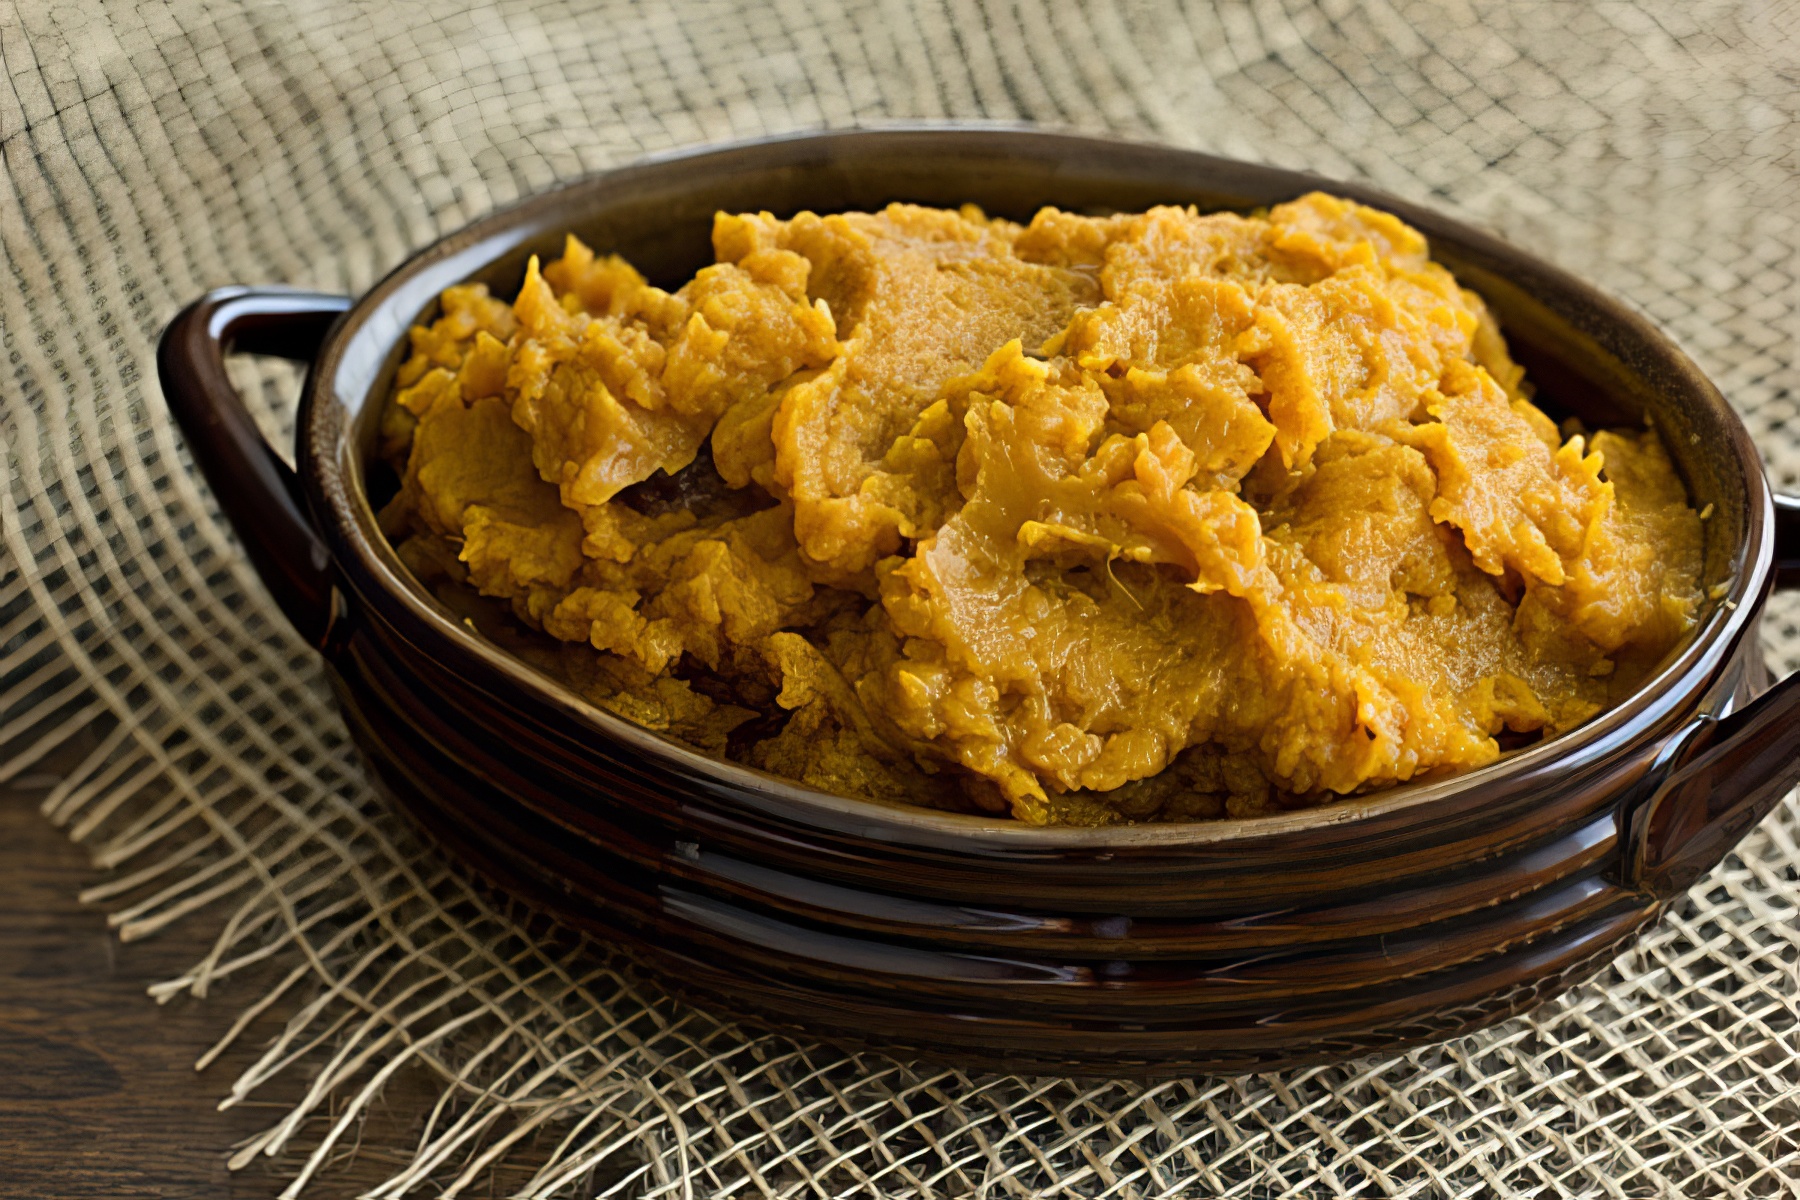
{"points": [[1159, 516]]}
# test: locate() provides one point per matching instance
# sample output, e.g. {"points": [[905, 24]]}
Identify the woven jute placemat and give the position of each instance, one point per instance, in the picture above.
{"points": [[152, 151]]}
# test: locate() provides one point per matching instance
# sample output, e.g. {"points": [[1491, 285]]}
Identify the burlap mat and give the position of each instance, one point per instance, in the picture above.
{"points": [[152, 151]]}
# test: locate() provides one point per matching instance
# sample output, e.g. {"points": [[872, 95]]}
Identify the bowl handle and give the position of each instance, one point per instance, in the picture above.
{"points": [[257, 490], [1729, 774]]}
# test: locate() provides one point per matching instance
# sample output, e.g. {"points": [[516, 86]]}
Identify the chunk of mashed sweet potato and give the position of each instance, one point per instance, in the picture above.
{"points": [[1151, 516]]}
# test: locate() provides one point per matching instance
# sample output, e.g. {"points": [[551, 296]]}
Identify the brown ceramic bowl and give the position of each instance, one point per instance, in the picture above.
{"points": [[1407, 915]]}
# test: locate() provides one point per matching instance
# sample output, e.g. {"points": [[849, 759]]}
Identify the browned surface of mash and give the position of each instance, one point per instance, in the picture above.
{"points": [[1146, 517]]}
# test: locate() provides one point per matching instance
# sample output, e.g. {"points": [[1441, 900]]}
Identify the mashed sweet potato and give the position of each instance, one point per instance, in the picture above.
{"points": [[1157, 516]]}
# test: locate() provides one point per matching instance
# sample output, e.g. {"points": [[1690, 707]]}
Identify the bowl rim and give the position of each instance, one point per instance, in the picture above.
{"points": [[352, 359]]}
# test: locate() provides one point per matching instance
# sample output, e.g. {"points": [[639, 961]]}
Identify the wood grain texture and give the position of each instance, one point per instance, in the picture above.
{"points": [[98, 1092]]}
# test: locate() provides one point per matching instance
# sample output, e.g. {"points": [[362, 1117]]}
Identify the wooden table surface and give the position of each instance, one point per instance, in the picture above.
{"points": [[98, 1092]]}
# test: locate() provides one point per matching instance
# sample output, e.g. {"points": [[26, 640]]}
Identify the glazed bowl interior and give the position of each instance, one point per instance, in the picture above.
{"points": [[1589, 357]]}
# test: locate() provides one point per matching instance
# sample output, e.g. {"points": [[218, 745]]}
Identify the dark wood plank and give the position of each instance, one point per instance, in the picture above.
{"points": [[98, 1093]]}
